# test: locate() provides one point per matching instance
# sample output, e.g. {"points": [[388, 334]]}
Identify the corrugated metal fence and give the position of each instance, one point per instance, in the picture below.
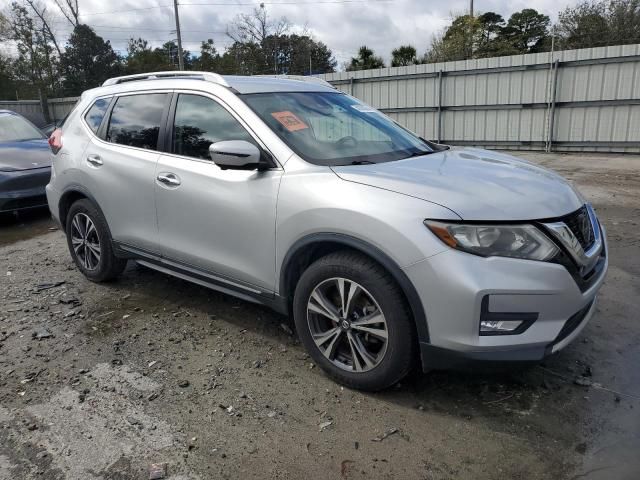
{"points": [[573, 100], [31, 109]]}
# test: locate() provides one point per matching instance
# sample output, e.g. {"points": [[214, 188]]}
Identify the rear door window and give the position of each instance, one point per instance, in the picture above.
{"points": [[95, 114], [135, 120]]}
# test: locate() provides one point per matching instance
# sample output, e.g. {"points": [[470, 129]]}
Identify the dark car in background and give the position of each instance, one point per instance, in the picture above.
{"points": [[25, 166]]}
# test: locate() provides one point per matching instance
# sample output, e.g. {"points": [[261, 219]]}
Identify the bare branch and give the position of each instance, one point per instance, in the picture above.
{"points": [[70, 10], [40, 12], [256, 27]]}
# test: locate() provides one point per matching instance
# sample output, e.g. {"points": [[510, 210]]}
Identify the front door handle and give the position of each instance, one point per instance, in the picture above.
{"points": [[169, 179], [94, 160]]}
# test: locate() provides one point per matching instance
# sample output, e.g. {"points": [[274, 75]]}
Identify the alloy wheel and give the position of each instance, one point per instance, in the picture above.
{"points": [[85, 241], [347, 325]]}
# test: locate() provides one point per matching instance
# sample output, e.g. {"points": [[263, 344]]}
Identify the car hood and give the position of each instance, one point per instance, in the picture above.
{"points": [[25, 155], [476, 184]]}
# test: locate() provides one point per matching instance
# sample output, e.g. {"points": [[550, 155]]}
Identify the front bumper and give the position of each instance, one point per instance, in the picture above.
{"points": [[453, 284], [24, 189]]}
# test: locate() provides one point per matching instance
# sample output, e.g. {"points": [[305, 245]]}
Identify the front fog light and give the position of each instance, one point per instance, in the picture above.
{"points": [[504, 323], [499, 326]]}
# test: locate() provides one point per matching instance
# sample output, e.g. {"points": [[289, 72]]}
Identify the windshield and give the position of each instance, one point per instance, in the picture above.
{"points": [[16, 129], [334, 129]]}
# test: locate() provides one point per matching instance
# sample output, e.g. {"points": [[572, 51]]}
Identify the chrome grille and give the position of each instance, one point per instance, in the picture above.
{"points": [[580, 225]]}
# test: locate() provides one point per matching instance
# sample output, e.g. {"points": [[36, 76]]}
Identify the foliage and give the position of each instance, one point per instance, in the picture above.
{"points": [[404, 55], [8, 85], [265, 46], [488, 35], [591, 24], [36, 67], [87, 60], [365, 60], [527, 31]]}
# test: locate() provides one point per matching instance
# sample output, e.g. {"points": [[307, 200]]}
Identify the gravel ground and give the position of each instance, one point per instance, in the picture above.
{"points": [[152, 376]]}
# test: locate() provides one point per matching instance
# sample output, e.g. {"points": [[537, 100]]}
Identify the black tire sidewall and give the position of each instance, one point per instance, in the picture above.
{"points": [[398, 358], [108, 266]]}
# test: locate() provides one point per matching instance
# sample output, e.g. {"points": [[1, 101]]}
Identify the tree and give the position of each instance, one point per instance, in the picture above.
{"points": [[456, 43], [365, 60], [295, 54], [255, 27], [209, 59], [600, 23], [70, 10], [262, 45], [36, 65], [41, 12], [7, 83], [88, 60], [169, 50], [487, 35], [404, 55], [142, 58], [527, 31], [488, 40]]}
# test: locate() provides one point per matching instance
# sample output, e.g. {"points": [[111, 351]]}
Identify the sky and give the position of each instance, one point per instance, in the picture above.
{"points": [[344, 25]]}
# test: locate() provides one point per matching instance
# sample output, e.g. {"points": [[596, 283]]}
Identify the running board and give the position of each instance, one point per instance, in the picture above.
{"points": [[203, 283]]}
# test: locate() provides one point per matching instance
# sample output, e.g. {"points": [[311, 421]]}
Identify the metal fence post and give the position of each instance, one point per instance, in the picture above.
{"points": [[439, 106], [552, 109]]}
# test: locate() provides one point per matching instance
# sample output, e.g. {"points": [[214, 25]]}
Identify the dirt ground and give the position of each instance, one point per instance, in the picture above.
{"points": [[102, 381]]}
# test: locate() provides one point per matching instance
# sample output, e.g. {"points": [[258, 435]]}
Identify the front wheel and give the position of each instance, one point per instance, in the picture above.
{"points": [[354, 321]]}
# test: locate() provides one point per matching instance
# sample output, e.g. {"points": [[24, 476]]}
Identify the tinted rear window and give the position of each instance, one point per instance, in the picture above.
{"points": [[135, 120], [96, 113]]}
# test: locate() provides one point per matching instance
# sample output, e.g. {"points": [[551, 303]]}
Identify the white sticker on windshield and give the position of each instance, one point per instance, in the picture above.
{"points": [[364, 108]]}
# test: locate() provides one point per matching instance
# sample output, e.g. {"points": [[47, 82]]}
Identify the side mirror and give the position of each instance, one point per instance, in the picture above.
{"points": [[235, 155]]}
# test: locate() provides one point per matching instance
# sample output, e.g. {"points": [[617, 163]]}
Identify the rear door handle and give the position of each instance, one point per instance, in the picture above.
{"points": [[169, 179], [94, 160]]}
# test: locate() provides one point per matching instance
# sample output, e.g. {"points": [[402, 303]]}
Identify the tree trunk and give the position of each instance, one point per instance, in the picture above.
{"points": [[44, 105]]}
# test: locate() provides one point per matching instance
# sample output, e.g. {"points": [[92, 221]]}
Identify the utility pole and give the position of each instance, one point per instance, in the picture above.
{"points": [[180, 57], [471, 8]]}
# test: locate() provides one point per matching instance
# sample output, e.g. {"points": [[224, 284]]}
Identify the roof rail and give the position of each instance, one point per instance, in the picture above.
{"points": [[302, 78], [206, 76]]}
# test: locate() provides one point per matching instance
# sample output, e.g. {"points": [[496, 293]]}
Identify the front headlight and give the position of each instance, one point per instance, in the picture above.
{"points": [[518, 241]]}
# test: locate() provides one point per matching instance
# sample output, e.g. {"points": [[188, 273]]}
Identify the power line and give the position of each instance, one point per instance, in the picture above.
{"points": [[286, 2], [133, 27]]}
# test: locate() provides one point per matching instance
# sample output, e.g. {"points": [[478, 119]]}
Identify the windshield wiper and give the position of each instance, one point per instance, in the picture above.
{"points": [[417, 154], [362, 162]]}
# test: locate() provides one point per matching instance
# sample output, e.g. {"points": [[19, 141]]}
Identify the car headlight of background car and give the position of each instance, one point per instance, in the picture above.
{"points": [[516, 241]]}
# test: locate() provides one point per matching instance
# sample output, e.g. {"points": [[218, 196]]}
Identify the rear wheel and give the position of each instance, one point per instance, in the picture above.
{"points": [[353, 320], [89, 242]]}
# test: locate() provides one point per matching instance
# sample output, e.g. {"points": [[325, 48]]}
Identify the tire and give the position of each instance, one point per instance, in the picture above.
{"points": [[97, 268], [385, 361]]}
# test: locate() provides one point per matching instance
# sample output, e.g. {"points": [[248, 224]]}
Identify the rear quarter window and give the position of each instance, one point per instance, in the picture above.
{"points": [[96, 113]]}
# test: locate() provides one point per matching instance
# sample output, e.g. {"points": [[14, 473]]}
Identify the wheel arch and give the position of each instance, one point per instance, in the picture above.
{"points": [[72, 194], [311, 247]]}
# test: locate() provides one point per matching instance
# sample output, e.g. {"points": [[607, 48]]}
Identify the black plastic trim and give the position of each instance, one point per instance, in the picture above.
{"points": [[379, 256], [527, 319], [438, 358], [221, 283]]}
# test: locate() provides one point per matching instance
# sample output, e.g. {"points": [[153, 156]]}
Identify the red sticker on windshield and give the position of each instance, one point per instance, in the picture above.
{"points": [[289, 121]]}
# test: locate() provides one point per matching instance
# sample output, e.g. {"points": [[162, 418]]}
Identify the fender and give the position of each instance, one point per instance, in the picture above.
{"points": [[376, 254], [75, 188]]}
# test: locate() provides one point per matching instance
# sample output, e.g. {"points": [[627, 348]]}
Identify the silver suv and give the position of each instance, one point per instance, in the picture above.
{"points": [[384, 247]]}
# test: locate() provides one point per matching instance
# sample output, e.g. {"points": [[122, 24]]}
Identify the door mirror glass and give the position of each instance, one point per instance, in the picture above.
{"points": [[235, 154]]}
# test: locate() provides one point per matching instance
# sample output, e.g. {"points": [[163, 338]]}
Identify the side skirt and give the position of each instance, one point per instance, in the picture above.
{"points": [[203, 278]]}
